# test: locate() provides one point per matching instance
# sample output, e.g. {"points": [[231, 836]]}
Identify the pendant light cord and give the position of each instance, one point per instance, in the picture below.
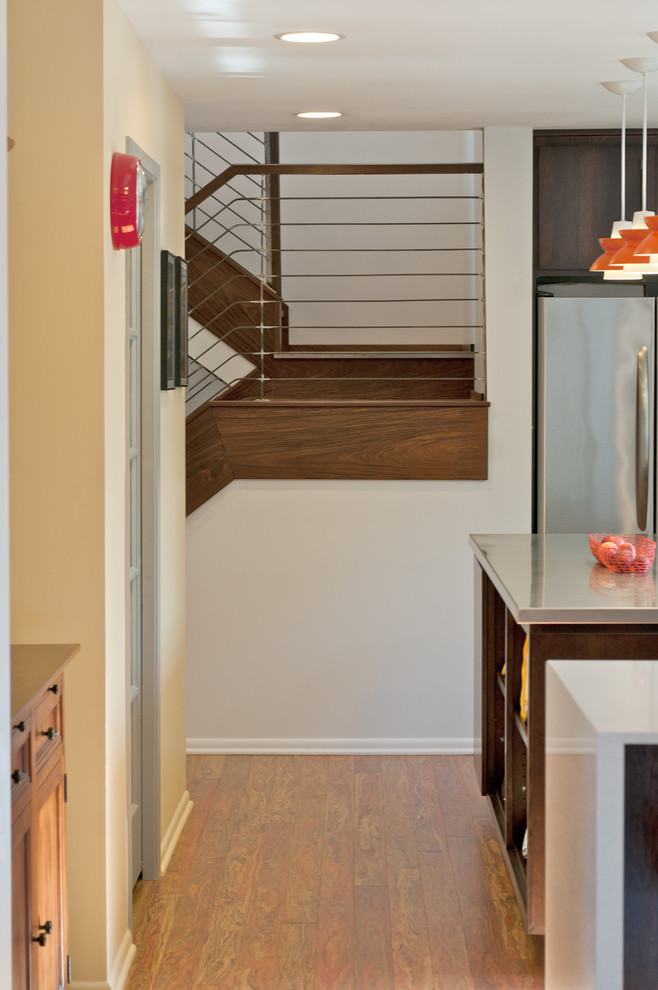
{"points": [[644, 145], [623, 156]]}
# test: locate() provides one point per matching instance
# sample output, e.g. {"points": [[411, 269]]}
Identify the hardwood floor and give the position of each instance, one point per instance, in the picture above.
{"points": [[334, 873]]}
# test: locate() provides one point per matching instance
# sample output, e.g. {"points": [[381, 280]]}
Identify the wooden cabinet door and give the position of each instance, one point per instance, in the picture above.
{"points": [[49, 957], [20, 899]]}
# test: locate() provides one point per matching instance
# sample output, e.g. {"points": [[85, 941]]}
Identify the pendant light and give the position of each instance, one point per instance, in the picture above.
{"points": [[649, 246], [628, 256], [612, 244]]}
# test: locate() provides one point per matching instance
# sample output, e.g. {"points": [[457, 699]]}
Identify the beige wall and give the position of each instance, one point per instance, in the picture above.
{"points": [[5, 766], [328, 615], [80, 83], [56, 398]]}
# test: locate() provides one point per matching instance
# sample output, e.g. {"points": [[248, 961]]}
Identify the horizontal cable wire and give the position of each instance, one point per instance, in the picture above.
{"points": [[231, 222]]}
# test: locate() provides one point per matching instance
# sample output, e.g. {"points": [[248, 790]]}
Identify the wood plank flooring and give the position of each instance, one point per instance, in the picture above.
{"points": [[334, 873]]}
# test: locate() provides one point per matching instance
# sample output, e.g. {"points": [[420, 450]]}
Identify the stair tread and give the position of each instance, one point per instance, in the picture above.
{"points": [[371, 355]]}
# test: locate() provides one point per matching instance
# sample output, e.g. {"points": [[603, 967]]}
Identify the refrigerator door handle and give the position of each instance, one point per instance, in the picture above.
{"points": [[642, 439]]}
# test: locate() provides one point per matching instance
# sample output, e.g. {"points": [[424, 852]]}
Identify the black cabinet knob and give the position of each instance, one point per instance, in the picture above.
{"points": [[41, 939], [50, 733], [18, 775], [54, 688], [20, 726], [47, 928]]}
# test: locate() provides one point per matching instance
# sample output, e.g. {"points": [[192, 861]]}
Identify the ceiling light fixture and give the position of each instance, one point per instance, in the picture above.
{"points": [[319, 114], [309, 37], [612, 244]]}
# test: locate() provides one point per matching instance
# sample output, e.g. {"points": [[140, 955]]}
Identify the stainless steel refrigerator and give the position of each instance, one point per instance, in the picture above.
{"points": [[595, 421]]}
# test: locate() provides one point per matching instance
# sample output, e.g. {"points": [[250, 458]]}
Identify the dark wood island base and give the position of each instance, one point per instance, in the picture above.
{"points": [[563, 620]]}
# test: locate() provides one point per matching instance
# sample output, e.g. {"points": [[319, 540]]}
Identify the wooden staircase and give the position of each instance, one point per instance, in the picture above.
{"points": [[226, 299], [326, 411], [391, 440]]}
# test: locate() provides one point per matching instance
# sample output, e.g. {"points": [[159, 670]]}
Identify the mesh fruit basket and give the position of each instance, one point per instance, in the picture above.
{"points": [[623, 553]]}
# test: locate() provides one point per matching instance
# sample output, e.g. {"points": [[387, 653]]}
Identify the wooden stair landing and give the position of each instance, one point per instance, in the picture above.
{"points": [[346, 440]]}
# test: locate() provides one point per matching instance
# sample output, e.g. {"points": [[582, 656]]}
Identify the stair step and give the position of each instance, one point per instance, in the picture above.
{"points": [[370, 355]]}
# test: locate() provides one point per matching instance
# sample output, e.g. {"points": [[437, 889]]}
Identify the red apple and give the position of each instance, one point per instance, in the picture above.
{"points": [[641, 564], [625, 555], [617, 540]]}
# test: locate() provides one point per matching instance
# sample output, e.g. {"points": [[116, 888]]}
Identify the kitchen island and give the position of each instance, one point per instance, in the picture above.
{"points": [[601, 798], [546, 590]]}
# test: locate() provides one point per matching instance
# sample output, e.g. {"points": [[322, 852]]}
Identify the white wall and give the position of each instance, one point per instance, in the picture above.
{"points": [[411, 239], [5, 811], [338, 615]]}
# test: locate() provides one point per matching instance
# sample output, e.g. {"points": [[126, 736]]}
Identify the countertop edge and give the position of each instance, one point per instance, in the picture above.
{"points": [[493, 576], [613, 614]]}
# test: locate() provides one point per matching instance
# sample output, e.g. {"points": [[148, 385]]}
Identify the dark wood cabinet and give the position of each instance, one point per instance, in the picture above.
{"points": [[578, 193], [39, 915]]}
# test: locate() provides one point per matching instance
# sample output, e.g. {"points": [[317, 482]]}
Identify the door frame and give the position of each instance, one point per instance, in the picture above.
{"points": [[150, 449]]}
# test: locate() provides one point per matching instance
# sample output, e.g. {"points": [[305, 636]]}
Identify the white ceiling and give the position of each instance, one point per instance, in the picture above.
{"points": [[403, 65]]}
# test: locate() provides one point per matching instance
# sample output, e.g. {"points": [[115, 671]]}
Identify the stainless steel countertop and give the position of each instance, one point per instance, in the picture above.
{"points": [[554, 578]]}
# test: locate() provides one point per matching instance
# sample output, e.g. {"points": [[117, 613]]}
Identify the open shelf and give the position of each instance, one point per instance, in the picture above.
{"points": [[498, 805], [519, 869], [505, 768], [521, 728]]}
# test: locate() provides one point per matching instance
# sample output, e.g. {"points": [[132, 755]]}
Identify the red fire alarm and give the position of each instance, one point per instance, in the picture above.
{"points": [[127, 200]]}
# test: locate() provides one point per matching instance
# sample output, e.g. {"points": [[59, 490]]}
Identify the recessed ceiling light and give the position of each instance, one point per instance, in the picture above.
{"points": [[319, 114], [309, 37]]}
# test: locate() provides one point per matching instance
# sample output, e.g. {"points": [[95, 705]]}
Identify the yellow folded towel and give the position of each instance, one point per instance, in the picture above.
{"points": [[523, 701]]}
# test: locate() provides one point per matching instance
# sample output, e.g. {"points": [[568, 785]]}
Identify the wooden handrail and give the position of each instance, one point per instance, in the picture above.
{"points": [[459, 168]]}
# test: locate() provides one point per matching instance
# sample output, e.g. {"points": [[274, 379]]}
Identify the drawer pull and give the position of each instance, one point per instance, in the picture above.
{"points": [[45, 930], [20, 726], [50, 733], [54, 688], [18, 775]]}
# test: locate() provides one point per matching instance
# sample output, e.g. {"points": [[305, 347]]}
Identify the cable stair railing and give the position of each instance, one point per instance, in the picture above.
{"points": [[458, 336], [306, 298]]}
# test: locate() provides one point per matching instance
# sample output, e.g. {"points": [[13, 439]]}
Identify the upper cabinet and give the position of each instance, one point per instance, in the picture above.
{"points": [[578, 193]]}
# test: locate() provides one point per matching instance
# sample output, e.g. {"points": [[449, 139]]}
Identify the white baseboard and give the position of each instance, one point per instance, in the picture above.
{"points": [[123, 961], [172, 834], [392, 747], [118, 971]]}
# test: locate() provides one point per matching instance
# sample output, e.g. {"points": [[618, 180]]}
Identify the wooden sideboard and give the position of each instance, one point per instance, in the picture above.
{"points": [[38, 782]]}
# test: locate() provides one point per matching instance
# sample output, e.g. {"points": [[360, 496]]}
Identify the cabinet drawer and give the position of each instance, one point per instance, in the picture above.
{"points": [[20, 759], [48, 722]]}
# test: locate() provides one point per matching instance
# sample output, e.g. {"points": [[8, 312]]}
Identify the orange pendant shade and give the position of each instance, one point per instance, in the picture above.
{"points": [[631, 238], [649, 246], [610, 247]]}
